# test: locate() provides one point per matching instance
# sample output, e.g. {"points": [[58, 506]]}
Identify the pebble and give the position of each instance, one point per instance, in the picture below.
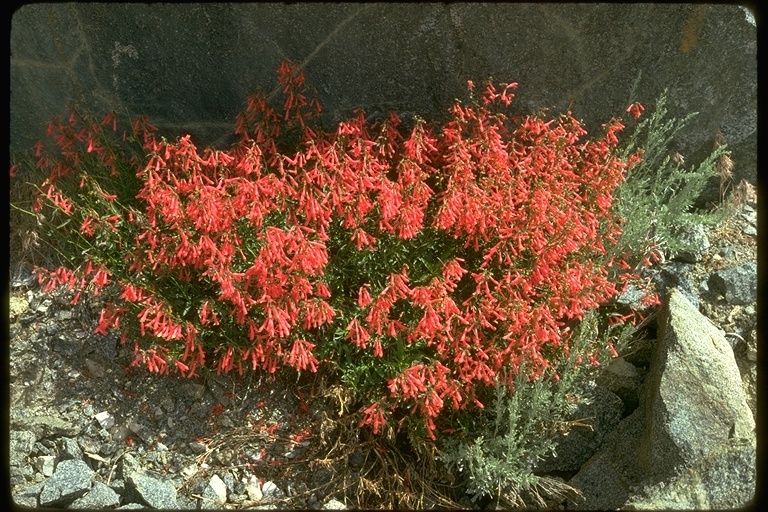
{"points": [[270, 489], [105, 419]]}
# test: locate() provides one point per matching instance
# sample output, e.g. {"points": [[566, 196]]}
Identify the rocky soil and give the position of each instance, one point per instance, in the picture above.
{"points": [[88, 430]]}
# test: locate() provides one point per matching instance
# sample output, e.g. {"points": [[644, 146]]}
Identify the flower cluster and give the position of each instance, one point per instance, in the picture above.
{"points": [[441, 257]]}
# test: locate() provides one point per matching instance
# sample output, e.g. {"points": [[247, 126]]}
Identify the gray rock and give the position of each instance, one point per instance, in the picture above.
{"points": [[595, 420], [141, 430], [253, 489], [89, 444], [623, 379], [737, 284], [676, 275], [71, 480], [47, 426], [118, 485], [45, 464], [692, 404], [69, 449], [697, 242], [631, 297], [21, 444], [607, 478], [215, 493], [153, 491], [100, 496], [749, 215], [694, 400], [727, 251], [334, 505], [27, 497], [21, 474], [198, 447], [17, 306], [723, 479], [64, 315], [237, 498], [128, 466], [105, 419], [270, 490]]}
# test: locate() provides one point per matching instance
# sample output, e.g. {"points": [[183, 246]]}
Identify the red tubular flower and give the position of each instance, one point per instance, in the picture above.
{"points": [[374, 416], [301, 356], [636, 110], [357, 333], [363, 296], [255, 228]]}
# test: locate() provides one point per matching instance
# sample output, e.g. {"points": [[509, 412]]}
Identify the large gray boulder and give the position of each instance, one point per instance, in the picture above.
{"points": [[723, 479], [695, 401], [693, 424], [189, 67]]}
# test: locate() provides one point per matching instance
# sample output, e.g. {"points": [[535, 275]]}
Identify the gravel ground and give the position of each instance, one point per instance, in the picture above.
{"points": [[243, 429], [261, 441]]}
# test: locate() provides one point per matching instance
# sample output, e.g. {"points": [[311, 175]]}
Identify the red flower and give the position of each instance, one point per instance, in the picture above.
{"points": [[301, 356], [636, 110], [374, 416], [363, 296], [357, 333]]}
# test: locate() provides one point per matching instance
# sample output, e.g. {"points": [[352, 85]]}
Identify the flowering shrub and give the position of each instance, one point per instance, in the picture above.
{"points": [[422, 265]]}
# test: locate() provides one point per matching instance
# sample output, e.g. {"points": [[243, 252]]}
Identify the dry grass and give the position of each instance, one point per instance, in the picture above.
{"points": [[387, 471], [25, 246]]}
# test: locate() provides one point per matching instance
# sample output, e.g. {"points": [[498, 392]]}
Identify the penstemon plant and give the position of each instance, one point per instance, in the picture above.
{"points": [[420, 266]]}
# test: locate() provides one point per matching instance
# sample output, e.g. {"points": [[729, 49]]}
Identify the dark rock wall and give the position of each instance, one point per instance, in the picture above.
{"points": [[189, 67]]}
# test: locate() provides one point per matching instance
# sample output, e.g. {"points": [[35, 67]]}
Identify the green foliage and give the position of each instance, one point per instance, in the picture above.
{"points": [[339, 252], [501, 445], [657, 201]]}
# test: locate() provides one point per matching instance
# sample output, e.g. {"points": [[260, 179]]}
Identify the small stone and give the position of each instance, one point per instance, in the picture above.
{"points": [[27, 497], [737, 284], [45, 464], [189, 471], [697, 242], [237, 498], [71, 480], [270, 489], [69, 449], [726, 252], [64, 315], [100, 496], [94, 368], [198, 447], [225, 422], [105, 419], [17, 307], [154, 492], [253, 489], [216, 489], [334, 504], [21, 445]]}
